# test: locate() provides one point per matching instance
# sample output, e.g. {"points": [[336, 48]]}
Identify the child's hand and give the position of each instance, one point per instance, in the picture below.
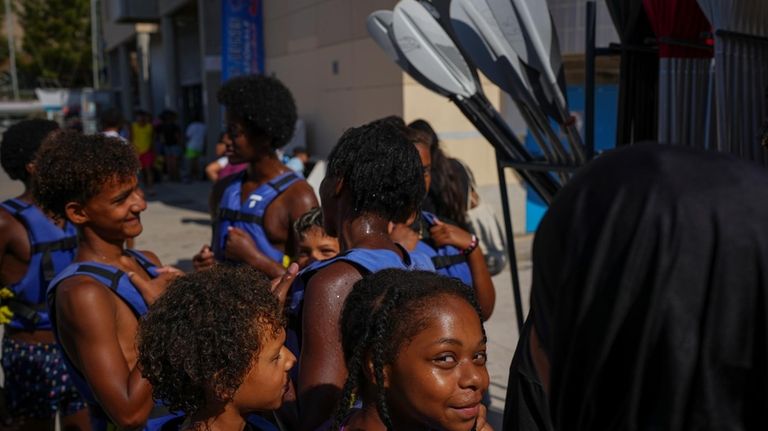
{"points": [[282, 284], [152, 289], [402, 234], [203, 259], [481, 423], [448, 234], [239, 245]]}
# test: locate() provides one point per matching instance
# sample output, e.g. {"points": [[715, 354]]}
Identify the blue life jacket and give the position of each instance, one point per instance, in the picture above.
{"points": [[51, 250], [448, 260], [119, 283], [366, 261], [248, 215]]}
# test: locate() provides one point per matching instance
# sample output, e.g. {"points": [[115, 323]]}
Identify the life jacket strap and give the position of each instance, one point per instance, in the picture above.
{"points": [[446, 261], [232, 215]]}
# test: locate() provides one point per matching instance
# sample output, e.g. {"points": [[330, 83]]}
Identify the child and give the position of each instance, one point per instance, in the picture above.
{"points": [[33, 249], [455, 252], [374, 177], [314, 244], [212, 347], [415, 348], [95, 304], [142, 136], [255, 210]]}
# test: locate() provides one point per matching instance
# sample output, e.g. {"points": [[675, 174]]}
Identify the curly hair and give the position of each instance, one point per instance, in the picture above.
{"points": [[204, 334], [381, 168], [308, 220], [264, 106], [20, 143], [383, 311], [72, 167], [445, 192]]}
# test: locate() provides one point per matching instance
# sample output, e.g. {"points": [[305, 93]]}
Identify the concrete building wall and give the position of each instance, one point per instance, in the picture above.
{"points": [[339, 77]]}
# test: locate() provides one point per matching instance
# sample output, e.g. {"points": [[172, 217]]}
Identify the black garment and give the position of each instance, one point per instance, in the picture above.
{"points": [[650, 290]]}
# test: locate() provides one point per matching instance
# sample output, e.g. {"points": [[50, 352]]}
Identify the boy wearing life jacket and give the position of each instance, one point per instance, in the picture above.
{"points": [[33, 249], [254, 211], [96, 302], [374, 178]]}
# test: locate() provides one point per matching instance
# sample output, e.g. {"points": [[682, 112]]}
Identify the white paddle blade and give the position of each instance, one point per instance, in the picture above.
{"points": [[430, 51], [378, 24], [537, 25], [480, 35]]}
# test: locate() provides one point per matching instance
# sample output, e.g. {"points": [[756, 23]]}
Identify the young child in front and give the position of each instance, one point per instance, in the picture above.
{"points": [[212, 347], [415, 348], [314, 244], [96, 302]]}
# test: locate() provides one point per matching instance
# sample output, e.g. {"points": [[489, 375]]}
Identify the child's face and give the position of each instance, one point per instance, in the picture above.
{"points": [[439, 377], [266, 383], [315, 246], [114, 213]]}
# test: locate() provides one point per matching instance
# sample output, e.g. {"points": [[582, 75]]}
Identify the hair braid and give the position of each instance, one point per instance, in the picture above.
{"points": [[354, 368], [380, 353]]}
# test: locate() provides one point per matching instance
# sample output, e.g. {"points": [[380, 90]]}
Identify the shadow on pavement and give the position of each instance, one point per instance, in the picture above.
{"points": [[192, 196]]}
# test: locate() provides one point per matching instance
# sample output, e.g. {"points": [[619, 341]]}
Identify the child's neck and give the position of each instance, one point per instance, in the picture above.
{"points": [[217, 418], [93, 247], [365, 231], [265, 167]]}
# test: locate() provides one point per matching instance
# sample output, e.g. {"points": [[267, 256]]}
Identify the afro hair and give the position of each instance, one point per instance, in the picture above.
{"points": [[204, 333], [72, 167], [263, 105], [381, 168], [20, 143]]}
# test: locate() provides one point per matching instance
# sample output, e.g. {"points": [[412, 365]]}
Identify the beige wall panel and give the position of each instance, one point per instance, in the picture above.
{"points": [[333, 21]]}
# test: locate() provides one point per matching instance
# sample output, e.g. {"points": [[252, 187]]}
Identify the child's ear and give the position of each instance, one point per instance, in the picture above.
{"points": [[338, 186], [30, 168], [76, 213]]}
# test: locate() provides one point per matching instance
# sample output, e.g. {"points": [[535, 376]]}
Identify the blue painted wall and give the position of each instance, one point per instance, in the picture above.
{"points": [[606, 111]]}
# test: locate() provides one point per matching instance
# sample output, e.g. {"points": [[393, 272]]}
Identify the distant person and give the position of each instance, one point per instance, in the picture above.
{"points": [[454, 251], [648, 306], [195, 147], [142, 137], [221, 167], [171, 143], [314, 244], [34, 247], [256, 208], [112, 123], [415, 348], [374, 178], [96, 302], [298, 161], [217, 370]]}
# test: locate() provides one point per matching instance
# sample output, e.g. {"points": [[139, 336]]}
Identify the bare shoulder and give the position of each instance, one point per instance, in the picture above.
{"points": [[301, 198], [9, 223], [332, 282], [81, 297]]}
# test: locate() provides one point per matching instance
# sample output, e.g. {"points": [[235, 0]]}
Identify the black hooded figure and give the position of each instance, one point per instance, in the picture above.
{"points": [[649, 299]]}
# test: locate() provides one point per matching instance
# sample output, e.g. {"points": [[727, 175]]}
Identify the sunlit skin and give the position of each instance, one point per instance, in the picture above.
{"points": [[438, 378], [97, 329], [263, 389], [315, 246]]}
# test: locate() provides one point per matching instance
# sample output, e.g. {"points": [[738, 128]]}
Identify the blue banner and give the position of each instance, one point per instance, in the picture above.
{"points": [[242, 38]]}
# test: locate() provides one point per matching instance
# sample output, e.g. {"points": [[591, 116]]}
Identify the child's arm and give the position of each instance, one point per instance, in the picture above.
{"points": [[321, 370], [85, 316], [447, 234]]}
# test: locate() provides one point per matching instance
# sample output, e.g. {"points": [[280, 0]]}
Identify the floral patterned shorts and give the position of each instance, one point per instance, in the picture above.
{"points": [[37, 382]]}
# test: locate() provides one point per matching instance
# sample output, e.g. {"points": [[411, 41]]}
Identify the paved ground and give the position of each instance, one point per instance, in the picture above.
{"points": [[176, 225]]}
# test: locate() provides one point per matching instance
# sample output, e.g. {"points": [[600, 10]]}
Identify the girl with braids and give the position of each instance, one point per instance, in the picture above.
{"points": [[414, 345], [374, 178]]}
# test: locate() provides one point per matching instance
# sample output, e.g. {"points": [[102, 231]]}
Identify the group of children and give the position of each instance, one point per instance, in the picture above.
{"points": [[384, 340]]}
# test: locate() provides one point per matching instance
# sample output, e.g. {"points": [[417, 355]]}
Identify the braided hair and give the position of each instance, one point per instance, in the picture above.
{"points": [[382, 312]]}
